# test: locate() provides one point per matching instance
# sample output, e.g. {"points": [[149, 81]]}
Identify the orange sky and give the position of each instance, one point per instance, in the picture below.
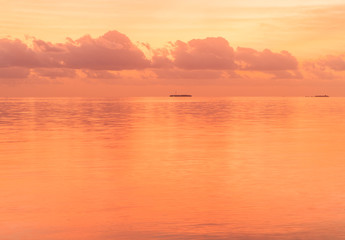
{"points": [[150, 48]]}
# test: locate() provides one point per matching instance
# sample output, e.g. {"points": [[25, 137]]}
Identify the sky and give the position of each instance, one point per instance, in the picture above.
{"points": [[153, 48]]}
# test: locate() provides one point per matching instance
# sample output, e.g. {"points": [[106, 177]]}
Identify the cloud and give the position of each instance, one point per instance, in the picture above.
{"points": [[217, 54], [112, 51], [209, 53], [115, 51], [55, 72], [286, 74], [14, 53], [47, 47], [14, 72], [105, 56], [251, 59], [313, 68], [160, 58], [101, 74], [187, 74], [330, 67], [336, 63]]}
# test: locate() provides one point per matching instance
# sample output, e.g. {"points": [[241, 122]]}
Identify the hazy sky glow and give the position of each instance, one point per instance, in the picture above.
{"points": [[138, 48]]}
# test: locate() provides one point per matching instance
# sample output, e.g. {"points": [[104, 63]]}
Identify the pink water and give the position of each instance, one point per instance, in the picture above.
{"points": [[162, 168]]}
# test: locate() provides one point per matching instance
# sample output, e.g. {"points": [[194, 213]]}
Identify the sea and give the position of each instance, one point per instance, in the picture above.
{"points": [[253, 168]]}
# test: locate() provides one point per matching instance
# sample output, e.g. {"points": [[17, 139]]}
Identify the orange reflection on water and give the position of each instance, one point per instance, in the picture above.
{"points": [[258, 168]]}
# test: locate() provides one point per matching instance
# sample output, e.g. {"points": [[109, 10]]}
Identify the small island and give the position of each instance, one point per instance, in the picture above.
{"points": [[180, 95], [321, 95]]}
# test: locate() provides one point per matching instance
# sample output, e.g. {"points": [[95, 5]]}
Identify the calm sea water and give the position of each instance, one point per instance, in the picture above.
{"points": [[164, 168]]}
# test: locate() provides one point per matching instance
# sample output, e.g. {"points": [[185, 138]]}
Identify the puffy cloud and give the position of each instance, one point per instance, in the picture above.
{"points": [[209, 53], [14, 53], [105, 56], [250, 59], [112, 51], [216, 53], [47, 47]]}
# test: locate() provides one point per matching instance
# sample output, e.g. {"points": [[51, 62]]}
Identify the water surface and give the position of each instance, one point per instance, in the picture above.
{"points": [[163, 168]]}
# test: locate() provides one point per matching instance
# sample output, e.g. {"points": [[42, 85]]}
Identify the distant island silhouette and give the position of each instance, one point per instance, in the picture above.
{"points": [[324, 95], [180, 95]]}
